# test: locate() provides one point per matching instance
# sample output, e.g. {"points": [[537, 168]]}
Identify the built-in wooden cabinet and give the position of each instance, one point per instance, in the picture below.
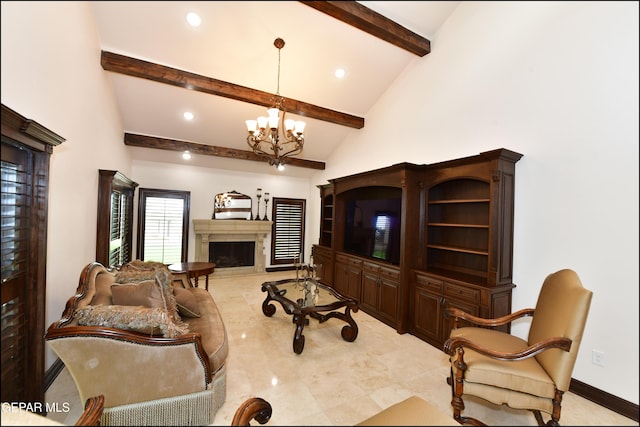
{"points": [[326, 215], [347, 275], [454, 248], [380, 291], [323, 260], [432, 295]]}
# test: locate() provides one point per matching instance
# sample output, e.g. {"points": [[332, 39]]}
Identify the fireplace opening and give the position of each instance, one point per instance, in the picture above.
{"points": [[232, 254]]}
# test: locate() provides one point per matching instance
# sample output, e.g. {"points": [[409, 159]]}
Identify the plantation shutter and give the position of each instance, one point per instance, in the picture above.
{"points": [[288, 230], [119, 249], [163, 230], [163, 225]]}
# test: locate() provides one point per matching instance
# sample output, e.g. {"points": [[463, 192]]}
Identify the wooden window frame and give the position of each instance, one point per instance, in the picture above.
{"points": [[113, 181], [143, 193]]}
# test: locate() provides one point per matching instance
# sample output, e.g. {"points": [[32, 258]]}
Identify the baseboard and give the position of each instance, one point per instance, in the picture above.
{"points": [[602, 398], [283, 268], [52, 373]]}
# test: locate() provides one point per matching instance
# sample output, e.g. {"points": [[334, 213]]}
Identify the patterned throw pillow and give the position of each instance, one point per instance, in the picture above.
{"points": [[153, 321], [137, 271]]}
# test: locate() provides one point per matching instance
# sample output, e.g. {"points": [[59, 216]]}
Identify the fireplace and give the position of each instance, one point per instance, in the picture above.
{"points": [[232, 254], [227, 233]]}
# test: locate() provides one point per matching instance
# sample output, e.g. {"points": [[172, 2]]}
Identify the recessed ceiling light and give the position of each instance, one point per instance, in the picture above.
{"points": [[340, 73], [186, 155], [193, 19], [188, 115]]}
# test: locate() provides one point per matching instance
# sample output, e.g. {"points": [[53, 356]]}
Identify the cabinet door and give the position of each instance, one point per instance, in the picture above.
{"points": [[427, 318], [354, 279], [388, 298], [369, 297], [323, 260], [462, 305], [341, 278]]}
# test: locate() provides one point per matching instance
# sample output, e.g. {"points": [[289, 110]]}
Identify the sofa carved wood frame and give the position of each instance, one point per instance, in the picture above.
{"points": [[60, 328]]}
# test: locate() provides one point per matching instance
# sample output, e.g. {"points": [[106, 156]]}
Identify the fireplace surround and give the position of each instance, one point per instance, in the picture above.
{"points": [[232, 230]]}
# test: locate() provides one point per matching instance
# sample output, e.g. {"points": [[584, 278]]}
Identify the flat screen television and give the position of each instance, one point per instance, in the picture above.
{"points": [[372, 223]]}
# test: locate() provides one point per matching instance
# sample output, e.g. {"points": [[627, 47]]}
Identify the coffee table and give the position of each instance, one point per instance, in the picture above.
{"points": [[308, 297]]}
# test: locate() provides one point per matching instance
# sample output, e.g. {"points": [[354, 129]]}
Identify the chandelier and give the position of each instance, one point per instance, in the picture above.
{"points": [[264, 137]]}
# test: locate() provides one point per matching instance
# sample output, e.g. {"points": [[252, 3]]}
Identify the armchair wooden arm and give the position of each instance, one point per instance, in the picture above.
{"points": [[253, 408], [458, 314], [92, 412], [453, 344]]}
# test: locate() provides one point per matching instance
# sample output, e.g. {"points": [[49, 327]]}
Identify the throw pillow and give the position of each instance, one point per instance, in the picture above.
{"points": [[138, 270], [146, 294], [186, 302], [128, 276], [153, 321]]}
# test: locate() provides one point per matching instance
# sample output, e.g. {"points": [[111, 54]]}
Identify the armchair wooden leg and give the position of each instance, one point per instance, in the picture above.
{"points": [[457, 385]]}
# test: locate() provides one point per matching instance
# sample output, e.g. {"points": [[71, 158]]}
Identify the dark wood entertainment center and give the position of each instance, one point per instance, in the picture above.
{"points": [[455, 242]]}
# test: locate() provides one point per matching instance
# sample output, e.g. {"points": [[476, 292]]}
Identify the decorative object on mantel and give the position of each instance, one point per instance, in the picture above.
{"points": [[266, 142], [266, 203], [232, 205], [258, 195]]}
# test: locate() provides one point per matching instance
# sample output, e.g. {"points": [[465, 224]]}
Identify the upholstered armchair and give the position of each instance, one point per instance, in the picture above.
{"points": [[531, 374]]}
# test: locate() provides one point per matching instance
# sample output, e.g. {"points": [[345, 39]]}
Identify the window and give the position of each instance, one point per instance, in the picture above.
{"points": [[163, 225], [288, 230], [115, 218]]}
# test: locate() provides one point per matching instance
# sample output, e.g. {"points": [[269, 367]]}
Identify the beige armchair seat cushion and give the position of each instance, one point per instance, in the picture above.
{"points": [[413, 411], [526, 376]]}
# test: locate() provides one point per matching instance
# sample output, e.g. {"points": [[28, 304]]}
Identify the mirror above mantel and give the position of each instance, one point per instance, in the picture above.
{"points": [[232, 205]]}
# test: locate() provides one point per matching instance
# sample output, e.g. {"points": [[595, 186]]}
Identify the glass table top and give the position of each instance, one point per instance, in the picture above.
{"points": [[305, 292]]}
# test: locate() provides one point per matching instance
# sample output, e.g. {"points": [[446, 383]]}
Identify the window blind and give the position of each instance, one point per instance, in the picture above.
{"points": [[288, 230]]}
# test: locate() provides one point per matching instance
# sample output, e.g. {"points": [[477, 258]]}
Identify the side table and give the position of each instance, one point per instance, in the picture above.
{"points": [[194, 270]]}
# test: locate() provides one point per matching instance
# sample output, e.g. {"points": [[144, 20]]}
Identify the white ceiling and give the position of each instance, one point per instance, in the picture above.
{"points": [[234, 43]]}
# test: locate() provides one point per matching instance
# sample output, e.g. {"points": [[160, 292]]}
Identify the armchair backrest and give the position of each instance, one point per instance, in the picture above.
{"points": [[561, 311]]}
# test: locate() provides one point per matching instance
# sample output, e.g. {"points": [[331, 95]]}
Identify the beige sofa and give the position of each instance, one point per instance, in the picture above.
{"points": [[153, 364]]}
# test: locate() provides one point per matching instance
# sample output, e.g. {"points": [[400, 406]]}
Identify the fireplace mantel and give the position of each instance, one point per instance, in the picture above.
{"points": [[232, 230]]}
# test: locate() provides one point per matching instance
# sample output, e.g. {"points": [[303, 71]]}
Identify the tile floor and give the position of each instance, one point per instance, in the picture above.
{"points": [[333, 382]]}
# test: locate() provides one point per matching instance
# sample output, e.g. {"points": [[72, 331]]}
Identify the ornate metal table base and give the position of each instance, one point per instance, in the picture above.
{"points": [[318, 299]]}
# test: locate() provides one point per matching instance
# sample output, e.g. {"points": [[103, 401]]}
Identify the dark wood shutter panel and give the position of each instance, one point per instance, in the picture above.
{"points": [[16, 196], [288, 230]]}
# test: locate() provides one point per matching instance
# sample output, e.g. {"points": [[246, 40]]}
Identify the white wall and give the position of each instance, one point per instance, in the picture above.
{"points": [[51, 73], [205, 183], [557, 82]]}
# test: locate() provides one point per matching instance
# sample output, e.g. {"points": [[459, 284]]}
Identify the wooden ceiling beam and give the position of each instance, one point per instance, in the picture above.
{"points": [[370, 21], [136, 140], [172, 76]]}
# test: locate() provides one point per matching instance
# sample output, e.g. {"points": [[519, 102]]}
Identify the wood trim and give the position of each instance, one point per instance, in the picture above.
{"points": [[136, 140], [370, 21], [29, 135], [607, 400], [28, 132], [175, 77]]}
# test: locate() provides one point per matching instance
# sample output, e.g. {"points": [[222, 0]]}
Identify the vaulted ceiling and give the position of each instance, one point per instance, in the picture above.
{"points": [[225, 71]]}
